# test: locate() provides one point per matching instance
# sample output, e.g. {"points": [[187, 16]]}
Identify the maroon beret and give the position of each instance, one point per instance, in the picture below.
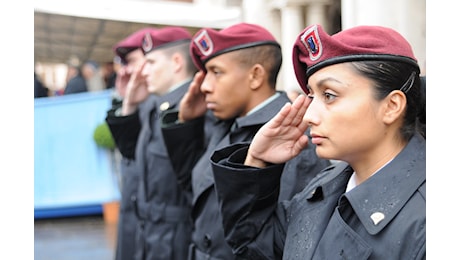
{"points": [[208, 43], [130, 43], [164, 37], [315, 49]]}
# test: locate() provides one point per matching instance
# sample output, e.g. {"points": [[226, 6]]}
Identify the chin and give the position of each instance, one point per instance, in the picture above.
{"points": [[323, 153], [220, 116]]}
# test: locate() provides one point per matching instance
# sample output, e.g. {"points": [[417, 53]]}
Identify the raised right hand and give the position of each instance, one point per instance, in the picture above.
{"points": [[136, 91], [282, 138], [193, 104], [121, 81]]}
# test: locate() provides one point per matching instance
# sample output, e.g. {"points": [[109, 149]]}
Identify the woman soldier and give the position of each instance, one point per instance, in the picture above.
{"points": [[362, 107]]}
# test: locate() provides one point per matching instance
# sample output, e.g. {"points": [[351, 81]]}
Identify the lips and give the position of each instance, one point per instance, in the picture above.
{"points": [[210, 105], [316, 139]]}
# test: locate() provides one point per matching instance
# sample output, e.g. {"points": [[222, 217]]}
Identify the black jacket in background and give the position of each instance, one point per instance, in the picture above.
{"points": [[76, 84]]}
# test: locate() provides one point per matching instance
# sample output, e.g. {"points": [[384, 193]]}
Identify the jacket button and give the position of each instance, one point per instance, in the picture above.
{"points": [[207, 241]]}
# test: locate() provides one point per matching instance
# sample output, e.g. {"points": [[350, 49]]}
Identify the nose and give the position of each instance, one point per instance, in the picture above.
{"points": [[206, 85], [312, 113]]}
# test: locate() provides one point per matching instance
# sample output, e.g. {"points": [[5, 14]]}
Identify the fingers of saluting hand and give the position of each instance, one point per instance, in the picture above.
{"points": [[297, 111], [197, 81], [138, 71], [292, 114]]}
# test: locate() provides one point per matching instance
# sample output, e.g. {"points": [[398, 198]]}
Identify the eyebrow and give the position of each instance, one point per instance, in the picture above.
{"points": [[321, 84], [215, 67], [323, 81], [210, 67]]}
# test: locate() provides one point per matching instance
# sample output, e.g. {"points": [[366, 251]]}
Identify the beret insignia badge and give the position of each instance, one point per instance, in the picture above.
{"points": [[310, 39], [204, 43], [147, 43]]}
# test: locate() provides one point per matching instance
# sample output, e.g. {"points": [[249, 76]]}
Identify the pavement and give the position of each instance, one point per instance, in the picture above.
{"points": [[74, 238]]}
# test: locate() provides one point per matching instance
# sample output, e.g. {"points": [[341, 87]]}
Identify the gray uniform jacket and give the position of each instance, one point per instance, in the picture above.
{"points": [[162, 208], [124, 128], [382, 218], [195, 171]]}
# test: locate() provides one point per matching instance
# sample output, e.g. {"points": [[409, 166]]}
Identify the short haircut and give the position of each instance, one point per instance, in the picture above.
{"points": [[269, 56], [183, 49]]}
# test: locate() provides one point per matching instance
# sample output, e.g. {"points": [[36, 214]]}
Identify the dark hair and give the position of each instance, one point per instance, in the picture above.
{"points": [[392, 75], [269, 56]]}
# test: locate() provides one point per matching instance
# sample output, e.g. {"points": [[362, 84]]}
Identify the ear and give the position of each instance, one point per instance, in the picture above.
{"points": [[257, 76], [395, 106], [178, 61]]}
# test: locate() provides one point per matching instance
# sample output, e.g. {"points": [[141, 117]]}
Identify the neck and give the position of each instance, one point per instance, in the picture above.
{"points": [[372, 161]]}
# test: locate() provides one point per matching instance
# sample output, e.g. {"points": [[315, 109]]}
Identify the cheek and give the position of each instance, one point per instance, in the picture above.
{"points": [[220, 86], [159, 74], [353, 122]]}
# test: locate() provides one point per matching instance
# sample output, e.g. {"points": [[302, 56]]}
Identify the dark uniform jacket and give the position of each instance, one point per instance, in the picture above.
{"points": [[127, 219], [162, 208], [382, 218], [192, 159]]}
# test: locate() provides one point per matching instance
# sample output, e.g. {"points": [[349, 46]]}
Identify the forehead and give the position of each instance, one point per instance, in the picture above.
{"points": [[224, 61], [155, 54], [338, 74], [335, 70]]}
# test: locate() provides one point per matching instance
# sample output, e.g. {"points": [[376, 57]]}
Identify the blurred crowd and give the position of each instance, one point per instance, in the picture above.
{"points": [[80, 77]]}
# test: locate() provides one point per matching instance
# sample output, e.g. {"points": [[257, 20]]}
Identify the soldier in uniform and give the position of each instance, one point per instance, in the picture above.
{"points": [[162, 209], [129, 52], [239, 66], [362, 104]]}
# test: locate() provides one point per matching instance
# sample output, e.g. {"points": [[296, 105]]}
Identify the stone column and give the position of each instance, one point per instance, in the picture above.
{"points": [[316, 14], [259, 12], [292, 23]]}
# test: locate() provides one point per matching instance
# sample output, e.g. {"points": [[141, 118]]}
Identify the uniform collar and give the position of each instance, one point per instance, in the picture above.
{"points": [[264, 111], [173, 97], [379, 199]]}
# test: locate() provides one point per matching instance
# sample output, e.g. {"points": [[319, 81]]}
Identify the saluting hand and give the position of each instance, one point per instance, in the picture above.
{"points": [[281, 138], [193, 104], [121, 81], [136, 91]]}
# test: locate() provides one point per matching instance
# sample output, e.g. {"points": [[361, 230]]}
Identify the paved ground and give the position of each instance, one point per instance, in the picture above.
{"points": [[75, 238]]}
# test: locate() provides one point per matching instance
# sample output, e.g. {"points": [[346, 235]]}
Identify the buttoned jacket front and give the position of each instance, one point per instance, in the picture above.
{"points": [[382, 218], [126, 143], [162, 208]]}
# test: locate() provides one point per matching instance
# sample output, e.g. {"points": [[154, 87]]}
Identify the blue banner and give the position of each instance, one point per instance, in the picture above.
{"points": [[70, 170]]}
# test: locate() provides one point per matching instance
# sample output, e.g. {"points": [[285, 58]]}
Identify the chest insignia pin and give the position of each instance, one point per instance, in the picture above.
{"points": [[164, 106], [377, 217]]}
